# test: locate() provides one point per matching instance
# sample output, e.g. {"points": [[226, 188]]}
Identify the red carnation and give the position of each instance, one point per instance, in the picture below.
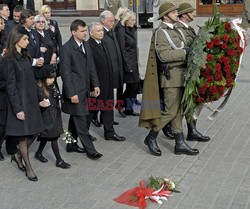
{"points": [[216, 41], [226, 61], [224, 46], [239, 50], [203, 88], [200, 100], [210, 79], [238, 37], [213, 89], [230, 52], [218, 67], [226, 68], [218, 76], [228, 26], [209, 57], [220, 89], [221, 59], [229, 82], [210, 45], [225, 38]]}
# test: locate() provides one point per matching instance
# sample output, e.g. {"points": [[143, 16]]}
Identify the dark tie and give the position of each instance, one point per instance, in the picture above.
{"points": [[100, 45], [81, 45]]}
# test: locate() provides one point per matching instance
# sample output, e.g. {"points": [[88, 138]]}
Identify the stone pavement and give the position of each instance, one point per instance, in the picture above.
{"points": [[218, 178]]}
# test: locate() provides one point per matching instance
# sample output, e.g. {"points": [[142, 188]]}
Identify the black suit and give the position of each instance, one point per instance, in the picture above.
{"points": [[78, 73], [114, 52], [105, 75], [10, 24]]}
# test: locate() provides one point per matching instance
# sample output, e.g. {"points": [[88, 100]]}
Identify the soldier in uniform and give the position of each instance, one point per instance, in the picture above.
{"points": [[246, 15], [186, 15], [166, 46]]}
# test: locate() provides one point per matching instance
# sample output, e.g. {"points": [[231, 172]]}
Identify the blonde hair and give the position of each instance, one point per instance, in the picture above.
{"points": [[44, 9], [125, 17], [120, 12]]}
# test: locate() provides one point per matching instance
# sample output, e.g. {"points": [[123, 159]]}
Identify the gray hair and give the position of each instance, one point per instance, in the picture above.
{"points": [[38, 17], [92, 26], [104, 15]]}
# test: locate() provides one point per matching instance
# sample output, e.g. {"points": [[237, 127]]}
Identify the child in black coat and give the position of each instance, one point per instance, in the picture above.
{"points": [[52, 121]]}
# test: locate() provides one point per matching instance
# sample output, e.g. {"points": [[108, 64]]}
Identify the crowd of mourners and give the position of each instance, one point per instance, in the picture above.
{"points": [[31, 100]]}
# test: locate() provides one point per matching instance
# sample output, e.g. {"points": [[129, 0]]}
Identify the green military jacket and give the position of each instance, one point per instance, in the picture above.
{"points": [[188, 33], [246, 15], [174, 57], [150, 114], [112, 5]]}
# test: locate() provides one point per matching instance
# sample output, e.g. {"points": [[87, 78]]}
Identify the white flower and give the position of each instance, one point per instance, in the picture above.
{"points": [[171, 185]]}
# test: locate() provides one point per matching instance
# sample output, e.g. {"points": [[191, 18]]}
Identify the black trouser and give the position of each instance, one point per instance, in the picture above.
{"points": [[79, 126], [130, 95]]}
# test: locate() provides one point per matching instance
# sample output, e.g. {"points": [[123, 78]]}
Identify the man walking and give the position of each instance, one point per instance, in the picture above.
{"points": [[78, 74]]}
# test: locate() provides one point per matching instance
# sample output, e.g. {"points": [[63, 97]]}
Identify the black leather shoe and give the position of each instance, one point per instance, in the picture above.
{"points": [[31, 178], [150, 141], [74, 148], [182, 148], [116, 123], [137, 102], [94, 156], [93, 138], [1, 157], [62, 164], [132, 113], [122, 114], [115, 137], [194, 135], [168, 131], [96, 122], [41, 158]]}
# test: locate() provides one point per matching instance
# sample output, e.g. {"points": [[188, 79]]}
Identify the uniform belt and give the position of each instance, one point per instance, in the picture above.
{"points": [[178, 66]]}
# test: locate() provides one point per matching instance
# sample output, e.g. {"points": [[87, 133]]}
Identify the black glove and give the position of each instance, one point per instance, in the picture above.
{"points": [[187, 50]]}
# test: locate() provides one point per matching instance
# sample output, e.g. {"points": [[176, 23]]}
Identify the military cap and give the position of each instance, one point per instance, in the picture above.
{"points": [[185, 8], [166, 8]]}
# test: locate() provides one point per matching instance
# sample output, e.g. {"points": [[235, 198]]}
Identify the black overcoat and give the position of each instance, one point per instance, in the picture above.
{"points": [[112, 45], [56, 35], [104, 70], [78, 72], [2, 85], [128, 44], [22, 95], [52, 115]]}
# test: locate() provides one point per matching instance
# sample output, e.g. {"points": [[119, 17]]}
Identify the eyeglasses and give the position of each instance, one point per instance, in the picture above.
{"points": [[40, 21]]}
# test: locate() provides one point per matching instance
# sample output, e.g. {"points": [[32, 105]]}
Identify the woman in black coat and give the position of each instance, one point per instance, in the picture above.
{"points": [[52, 26], [47, 48], [24, 119], [126, 36]]}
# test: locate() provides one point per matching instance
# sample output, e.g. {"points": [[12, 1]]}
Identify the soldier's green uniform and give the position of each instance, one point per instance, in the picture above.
{"points": [[246, 15], [112, 5], [166, 46]]}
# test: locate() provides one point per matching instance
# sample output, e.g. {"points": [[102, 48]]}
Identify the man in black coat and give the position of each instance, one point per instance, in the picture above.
{"points": [[110, 41], [78, 74], [105, 101]]}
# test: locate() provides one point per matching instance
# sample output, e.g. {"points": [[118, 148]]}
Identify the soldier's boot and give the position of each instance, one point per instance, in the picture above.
{"points": [[181, 147], [194, 135], [168, 131], [151, 142]]}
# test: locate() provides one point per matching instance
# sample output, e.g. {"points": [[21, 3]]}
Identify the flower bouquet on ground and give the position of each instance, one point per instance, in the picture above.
{"points": [[155, 189], [67, 137], [213, 63]]}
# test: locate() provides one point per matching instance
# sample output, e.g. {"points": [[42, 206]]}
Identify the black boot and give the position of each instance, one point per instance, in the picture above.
{"points": [[150, 141], [194, 135], [1, 156], [168, 131], [181, 147]]}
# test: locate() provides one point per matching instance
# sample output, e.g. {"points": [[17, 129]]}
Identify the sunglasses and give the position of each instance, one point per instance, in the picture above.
{"points": [[40, 21]]}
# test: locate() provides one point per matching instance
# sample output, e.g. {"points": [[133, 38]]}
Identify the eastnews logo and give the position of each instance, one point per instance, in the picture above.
{"points": [[101, 105]]}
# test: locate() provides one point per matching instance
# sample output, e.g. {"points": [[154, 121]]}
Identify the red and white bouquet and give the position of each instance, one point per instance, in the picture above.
{"points": [[155, 189]]}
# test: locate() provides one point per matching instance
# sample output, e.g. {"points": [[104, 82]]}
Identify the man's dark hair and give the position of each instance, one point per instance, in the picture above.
{"points": [[26, 13], [76, 23], [18, 8]]}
